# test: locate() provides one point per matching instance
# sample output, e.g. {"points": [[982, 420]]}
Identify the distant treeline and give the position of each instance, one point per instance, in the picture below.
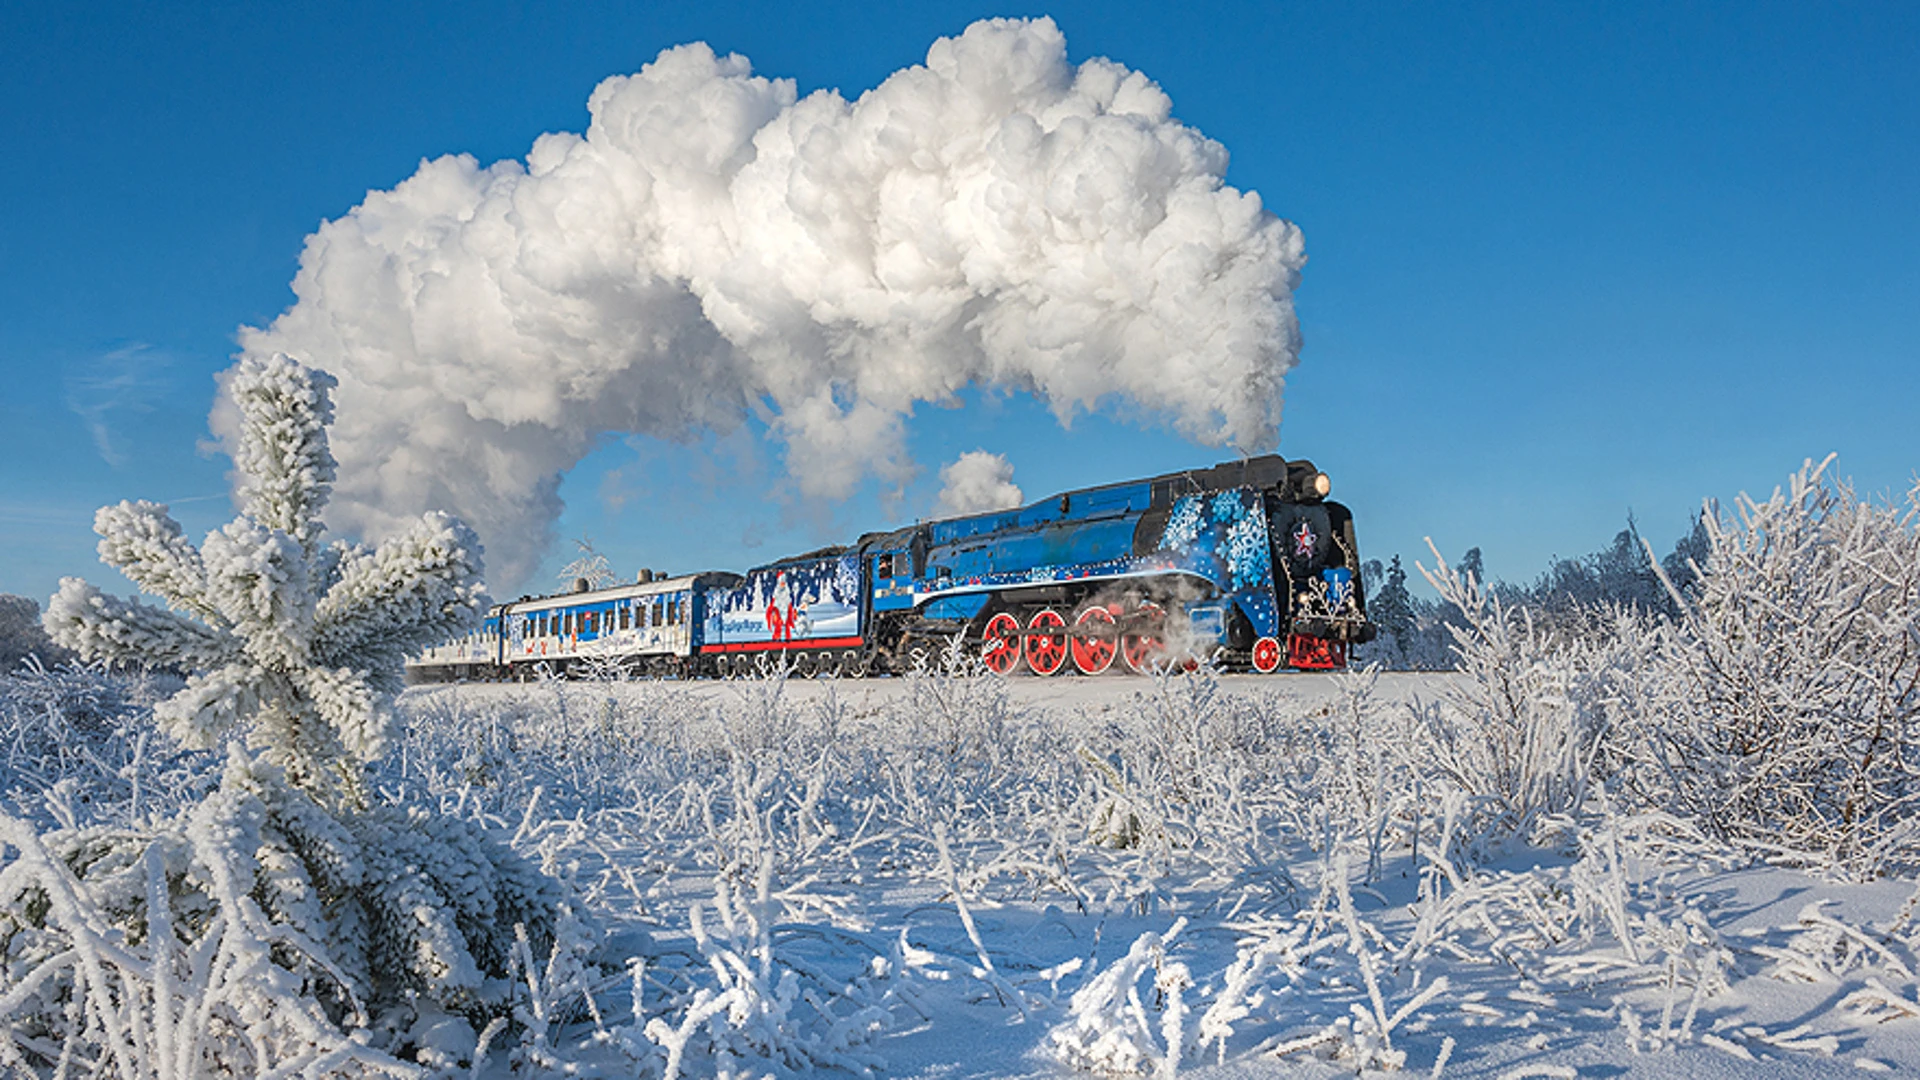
{"points": [[21, 636], [1415, 634]]}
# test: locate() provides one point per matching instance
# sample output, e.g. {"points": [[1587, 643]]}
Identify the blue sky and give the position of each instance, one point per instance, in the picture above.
{"points": [[1565, 261]]}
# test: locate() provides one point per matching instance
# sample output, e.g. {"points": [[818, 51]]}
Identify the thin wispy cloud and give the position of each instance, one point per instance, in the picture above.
{"points": [[103, 390], [38, 514]]}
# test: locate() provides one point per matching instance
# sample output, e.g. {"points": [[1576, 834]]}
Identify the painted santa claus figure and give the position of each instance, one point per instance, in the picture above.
{"points": [[781, 614]]}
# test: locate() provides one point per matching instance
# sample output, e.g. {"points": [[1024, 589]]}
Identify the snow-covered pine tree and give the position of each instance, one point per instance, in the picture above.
{"points": [[290, 922], [302, 639]]}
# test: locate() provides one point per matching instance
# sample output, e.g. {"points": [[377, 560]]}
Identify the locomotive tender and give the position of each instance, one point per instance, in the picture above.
{"points": [[1247, 563]]}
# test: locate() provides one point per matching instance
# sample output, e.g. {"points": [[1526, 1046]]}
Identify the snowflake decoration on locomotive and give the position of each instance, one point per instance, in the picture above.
{"points": [[1222, 535]]}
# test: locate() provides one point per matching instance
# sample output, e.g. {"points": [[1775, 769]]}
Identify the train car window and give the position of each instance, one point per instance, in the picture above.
{"points": [[883, 566]]}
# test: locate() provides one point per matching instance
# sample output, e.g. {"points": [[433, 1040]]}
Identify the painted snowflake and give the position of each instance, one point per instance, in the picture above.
{"points": [[1228, 507], [1183, 527], [1247, 551]]}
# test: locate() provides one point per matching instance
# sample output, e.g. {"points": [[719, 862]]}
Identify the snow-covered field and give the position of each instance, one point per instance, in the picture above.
{"points": [[975, 877], [957, 875]]}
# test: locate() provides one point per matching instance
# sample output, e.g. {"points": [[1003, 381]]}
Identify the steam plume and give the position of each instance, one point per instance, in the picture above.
{"points": [[977, 481], [712, 248]]}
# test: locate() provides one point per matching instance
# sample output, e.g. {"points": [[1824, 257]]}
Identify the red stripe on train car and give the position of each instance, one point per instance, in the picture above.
{"points": [[770, 646]]}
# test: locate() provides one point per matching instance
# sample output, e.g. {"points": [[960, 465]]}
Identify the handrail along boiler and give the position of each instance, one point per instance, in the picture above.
{"points": [[1248, 563]]}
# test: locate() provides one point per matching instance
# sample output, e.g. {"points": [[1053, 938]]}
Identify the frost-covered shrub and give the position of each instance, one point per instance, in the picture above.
{"points": [[161, 961], [77, 746], [1783, 709], [331, 923], [1517, 734]]}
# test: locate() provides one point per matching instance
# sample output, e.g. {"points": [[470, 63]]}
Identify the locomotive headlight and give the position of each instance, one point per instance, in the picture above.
{"points": [[1321, 484]]}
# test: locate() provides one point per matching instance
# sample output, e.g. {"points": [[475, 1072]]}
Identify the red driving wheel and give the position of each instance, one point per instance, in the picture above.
{"points": [[1046, 652], [1266, 656], [1144, 648], [1094, 645], [1000, 643]]}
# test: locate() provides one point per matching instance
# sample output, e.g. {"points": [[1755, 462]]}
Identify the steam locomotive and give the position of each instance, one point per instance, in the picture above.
{"points": [[1247, 564]]}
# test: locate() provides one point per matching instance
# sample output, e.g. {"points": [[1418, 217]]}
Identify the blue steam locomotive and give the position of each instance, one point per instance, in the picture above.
{"points": [[1247, 564]]}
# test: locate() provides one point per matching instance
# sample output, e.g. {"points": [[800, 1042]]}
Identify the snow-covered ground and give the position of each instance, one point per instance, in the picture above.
{"points": [[975, 877]]}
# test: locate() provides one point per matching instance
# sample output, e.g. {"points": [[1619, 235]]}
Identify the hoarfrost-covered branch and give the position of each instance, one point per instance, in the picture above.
{"points": [[101, 627], [142, 541], [281, 453]]}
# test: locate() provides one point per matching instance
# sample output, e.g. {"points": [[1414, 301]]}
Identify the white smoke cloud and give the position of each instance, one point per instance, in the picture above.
{"points": [[713, 249], [977, 481]]}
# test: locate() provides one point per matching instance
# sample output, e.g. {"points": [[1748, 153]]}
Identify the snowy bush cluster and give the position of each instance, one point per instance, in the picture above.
{"points": [[1773, 703], [1394, 875]]}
